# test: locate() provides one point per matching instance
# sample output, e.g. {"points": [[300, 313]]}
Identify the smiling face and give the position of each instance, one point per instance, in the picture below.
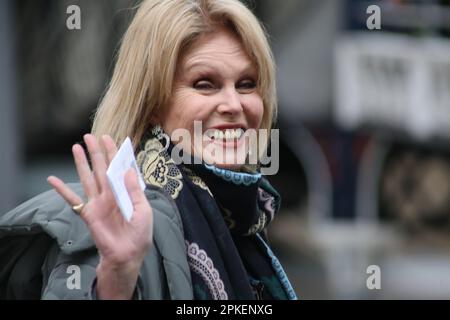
{"points": [[216, 83]]}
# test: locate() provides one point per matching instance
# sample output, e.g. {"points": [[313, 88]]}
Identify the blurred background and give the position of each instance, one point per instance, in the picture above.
{"points": [[364, 119]]}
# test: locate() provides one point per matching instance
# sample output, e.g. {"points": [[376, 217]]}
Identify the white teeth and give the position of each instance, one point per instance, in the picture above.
{"points": [[228, 134]]}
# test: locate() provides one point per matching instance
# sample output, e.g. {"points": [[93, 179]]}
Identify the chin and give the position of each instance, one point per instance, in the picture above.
{"points": [[226, 166], [230, 160]]}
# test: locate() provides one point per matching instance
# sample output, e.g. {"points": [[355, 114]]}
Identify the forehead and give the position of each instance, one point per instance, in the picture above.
{"points": [[218, 47]]}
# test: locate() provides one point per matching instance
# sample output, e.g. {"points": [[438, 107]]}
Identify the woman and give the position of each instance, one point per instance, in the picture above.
{"points": [[197, 231]]}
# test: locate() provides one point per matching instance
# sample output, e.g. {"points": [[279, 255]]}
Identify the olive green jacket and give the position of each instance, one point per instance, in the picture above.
{"points": [[46, 252]]}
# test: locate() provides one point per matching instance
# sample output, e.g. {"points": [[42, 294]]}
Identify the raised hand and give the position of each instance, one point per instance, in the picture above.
{"points": [[122, 245]]}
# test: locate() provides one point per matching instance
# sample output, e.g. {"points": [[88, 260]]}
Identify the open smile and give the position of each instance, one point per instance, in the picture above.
{"points": [[225, 137]]}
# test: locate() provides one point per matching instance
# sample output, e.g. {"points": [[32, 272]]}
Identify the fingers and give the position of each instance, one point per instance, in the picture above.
{"points": [[84, 172], [98, 162], [71, 197], [134, 189], [94, 182], [109, 146]]}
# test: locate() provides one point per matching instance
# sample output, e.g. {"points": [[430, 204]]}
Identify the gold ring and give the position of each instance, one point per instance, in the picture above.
{"points": [[78, 208]]}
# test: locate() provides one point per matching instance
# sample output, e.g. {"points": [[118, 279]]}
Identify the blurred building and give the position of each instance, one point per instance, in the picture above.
{"points": [[367, 114]]}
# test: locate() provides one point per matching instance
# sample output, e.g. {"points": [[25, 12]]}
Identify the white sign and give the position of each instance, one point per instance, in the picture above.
{"points": [[121, 163]]}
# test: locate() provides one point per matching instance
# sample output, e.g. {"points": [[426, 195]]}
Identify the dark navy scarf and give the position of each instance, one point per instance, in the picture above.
{"points": [[224, 215]]}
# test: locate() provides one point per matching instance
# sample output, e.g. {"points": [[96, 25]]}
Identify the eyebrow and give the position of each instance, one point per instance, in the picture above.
{"points": [[249, 68]]}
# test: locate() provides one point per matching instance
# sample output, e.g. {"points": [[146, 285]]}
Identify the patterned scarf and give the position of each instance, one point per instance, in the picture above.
{"points": [[224, 214]]}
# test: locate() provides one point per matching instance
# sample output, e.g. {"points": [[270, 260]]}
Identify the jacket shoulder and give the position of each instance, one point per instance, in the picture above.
{"points": [[48, 212]]}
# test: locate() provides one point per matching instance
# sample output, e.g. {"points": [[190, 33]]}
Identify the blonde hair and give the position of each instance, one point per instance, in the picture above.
{"points": [[146, 64]]}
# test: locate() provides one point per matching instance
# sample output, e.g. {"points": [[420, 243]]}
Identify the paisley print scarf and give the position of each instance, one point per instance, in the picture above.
{"points": [[224, 215]]}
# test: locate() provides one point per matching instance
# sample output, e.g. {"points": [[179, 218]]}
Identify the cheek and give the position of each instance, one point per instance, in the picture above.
{"points": [[180, 112], [254, 110]]}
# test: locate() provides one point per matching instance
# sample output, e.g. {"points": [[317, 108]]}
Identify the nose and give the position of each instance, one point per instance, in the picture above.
{"points": [[230, 103]]}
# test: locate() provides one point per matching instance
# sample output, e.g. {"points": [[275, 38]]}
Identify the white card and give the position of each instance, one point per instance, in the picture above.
{"points": [[122, 162]]}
